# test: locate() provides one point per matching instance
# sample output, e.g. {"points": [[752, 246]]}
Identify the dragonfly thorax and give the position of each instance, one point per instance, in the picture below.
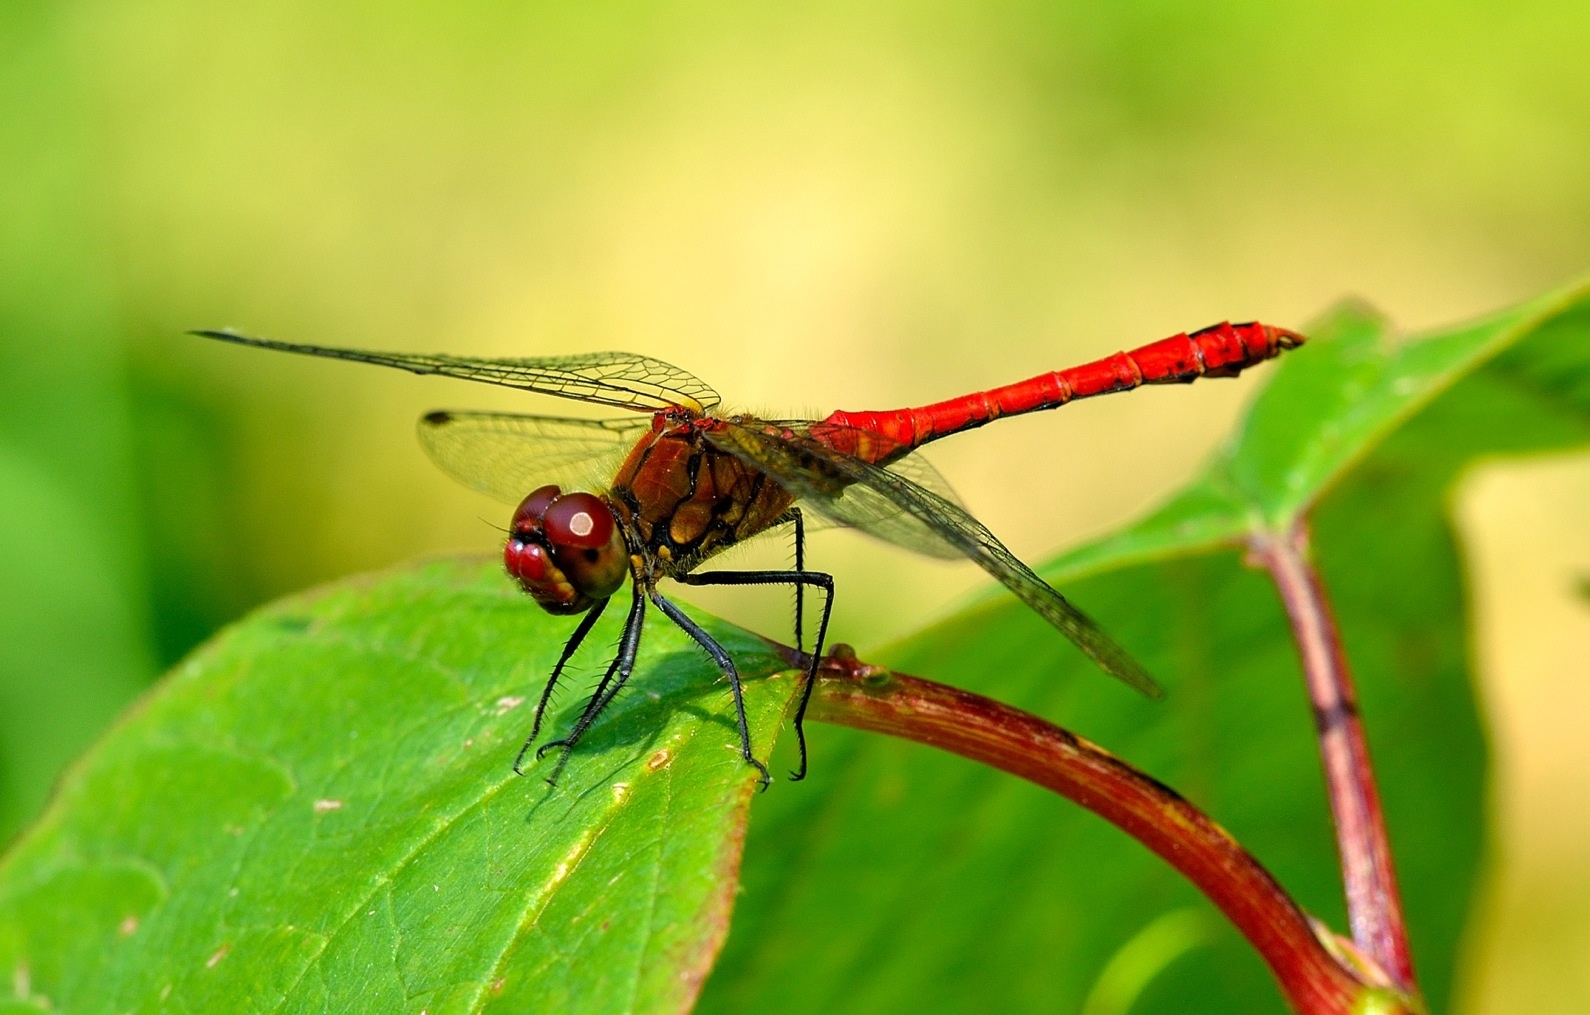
{"points": [[565, 550], [684, 499]]}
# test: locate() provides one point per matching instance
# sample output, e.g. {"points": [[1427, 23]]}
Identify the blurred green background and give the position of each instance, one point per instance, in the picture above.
{"points": [[813, 207]]}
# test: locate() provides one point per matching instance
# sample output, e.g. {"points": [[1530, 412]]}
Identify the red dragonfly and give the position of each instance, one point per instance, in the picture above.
{"points": [[683, 482]]}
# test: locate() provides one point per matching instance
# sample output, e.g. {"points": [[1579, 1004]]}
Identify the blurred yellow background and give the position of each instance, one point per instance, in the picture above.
{"points": [[812, 207]]}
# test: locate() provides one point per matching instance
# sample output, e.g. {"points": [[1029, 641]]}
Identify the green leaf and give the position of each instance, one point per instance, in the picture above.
{"points": [[317, 812], [908, 880]]}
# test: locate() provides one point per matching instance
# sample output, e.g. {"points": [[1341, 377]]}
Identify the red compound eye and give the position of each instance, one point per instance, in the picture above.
{"points": [[579, 520], [566, 551], [527, 516]]}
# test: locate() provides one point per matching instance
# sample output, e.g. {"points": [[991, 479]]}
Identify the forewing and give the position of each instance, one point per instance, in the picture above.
{"points": [[507, 455], [847, 489], [618, 379]]}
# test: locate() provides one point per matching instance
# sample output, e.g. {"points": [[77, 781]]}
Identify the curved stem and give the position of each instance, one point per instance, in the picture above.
{"points": [[1374, 906], [1313, 980]]}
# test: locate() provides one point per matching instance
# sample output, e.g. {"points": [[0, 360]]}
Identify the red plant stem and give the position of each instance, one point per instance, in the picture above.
{"points": [[1374, 907], [984, 730]]}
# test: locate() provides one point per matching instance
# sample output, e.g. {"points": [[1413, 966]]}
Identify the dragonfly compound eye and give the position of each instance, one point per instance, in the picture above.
{"points": [[579, 519], [586, 543], [527, 516], [529, 557]]}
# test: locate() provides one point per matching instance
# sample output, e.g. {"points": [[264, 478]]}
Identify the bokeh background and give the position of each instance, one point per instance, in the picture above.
{"points": [[812, 206]]}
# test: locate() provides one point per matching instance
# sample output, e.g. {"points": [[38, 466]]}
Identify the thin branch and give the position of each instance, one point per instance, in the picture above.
{"points": [[1312, 978], [1374, 906]]}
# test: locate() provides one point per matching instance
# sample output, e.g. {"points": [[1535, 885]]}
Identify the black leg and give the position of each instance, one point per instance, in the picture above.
{"points": [[725, 664], [623, 665], [569, 648], [798, 578], [800, 587]]}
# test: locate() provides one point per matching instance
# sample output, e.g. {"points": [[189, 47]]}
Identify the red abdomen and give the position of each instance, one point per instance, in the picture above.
{"points": [[1223, 350]]}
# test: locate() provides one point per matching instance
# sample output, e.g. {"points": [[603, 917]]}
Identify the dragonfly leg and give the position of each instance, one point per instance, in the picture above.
{"points": [[800, 579], [569, 648], [800, 587], [622, 666], [721, 657]]}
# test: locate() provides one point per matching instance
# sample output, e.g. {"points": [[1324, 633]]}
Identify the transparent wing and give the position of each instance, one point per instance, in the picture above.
{"points": [[781, 448], [618, 379], [850, 490], [506, 455], [864, 508]]}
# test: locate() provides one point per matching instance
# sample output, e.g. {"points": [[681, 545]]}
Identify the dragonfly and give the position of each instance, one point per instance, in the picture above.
{"points": [[655, 494]]}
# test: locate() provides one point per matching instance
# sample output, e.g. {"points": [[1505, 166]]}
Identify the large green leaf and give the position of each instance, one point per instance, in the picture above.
{"points": [[317, 812], [906, 880]]}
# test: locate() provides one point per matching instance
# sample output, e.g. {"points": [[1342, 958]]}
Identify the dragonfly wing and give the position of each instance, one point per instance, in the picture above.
{"points": [[836, 484], [865, 509], [916, 469], [804, 467], [506, 455], [618, 379]]}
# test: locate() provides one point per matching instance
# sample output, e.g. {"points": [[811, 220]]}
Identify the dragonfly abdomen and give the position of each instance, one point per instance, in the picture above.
{"points": [[1223, 350]]}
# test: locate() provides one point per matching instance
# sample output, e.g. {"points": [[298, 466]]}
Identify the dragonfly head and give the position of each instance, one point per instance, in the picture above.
{"points": [[565, 549]]}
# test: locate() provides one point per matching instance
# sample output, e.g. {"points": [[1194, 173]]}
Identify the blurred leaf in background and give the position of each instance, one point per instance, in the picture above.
{"points": [[74, 631], [812, 208]]}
